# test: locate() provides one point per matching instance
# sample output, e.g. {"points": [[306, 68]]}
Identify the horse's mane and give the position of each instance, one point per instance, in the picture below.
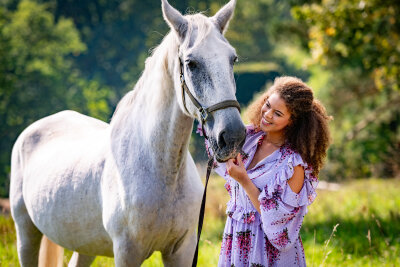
{"points": [[166, 53]]}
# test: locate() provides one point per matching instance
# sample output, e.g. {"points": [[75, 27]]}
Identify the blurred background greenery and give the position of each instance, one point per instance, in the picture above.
{"points": [[85, 55]]}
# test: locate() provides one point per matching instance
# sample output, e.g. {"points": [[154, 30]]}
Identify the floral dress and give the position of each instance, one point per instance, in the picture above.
{"points": [[272, 237]]}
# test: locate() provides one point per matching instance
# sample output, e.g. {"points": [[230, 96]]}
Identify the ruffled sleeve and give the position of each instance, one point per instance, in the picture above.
{"points": [[282, 210]]}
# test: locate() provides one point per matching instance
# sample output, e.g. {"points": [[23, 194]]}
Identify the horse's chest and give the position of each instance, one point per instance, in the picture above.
{"points": [[154, 210], [149, 207], [164, 208]]}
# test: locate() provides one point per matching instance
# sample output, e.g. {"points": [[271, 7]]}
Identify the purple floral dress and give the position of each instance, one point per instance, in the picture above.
{"points": [[272, 237]]}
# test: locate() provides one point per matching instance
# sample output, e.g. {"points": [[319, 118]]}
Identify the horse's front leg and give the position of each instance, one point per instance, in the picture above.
{"points": [[127, 247], [80, 260], [127, 252], [184, 255]]}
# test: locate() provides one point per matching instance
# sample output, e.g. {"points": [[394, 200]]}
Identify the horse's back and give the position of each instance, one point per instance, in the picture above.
{"points": [[60, 125], [57, 164], [48, 133]]}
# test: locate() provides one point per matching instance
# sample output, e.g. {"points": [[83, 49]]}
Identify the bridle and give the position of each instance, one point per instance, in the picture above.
{"points": [[204, 115], [204, 112]]}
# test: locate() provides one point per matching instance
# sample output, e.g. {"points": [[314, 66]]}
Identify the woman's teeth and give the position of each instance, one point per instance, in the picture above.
{"points": [[266, 122]]}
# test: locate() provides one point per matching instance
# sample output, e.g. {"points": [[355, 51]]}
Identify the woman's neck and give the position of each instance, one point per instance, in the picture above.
{"points": [[275, 138]]}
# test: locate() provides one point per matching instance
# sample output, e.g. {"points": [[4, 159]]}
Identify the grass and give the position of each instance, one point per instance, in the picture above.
{"points": [[368, 231], [358, 225]]}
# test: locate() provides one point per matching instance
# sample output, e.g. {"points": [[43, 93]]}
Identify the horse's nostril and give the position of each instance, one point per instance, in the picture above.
{"points": [[221, 140]]}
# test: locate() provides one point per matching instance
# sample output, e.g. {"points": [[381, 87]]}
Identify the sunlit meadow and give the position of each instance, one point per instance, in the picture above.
{"points": [[356, 225]]}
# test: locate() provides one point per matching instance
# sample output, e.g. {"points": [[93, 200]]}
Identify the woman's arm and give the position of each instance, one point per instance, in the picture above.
{"points": [[237, 171]]}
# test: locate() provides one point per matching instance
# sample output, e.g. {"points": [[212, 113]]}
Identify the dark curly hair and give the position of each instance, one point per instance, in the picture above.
{"points": [[308, 131]]}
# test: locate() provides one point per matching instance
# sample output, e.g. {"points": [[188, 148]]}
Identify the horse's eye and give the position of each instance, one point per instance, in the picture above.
{"points": [[192, 64], [235, 59]]}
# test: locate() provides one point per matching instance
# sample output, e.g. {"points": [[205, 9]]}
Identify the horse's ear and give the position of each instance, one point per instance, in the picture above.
{"points": [[175, 19], [223, 16]]}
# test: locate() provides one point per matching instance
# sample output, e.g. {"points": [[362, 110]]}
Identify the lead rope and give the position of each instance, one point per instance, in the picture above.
{"points": [[201, 215]]}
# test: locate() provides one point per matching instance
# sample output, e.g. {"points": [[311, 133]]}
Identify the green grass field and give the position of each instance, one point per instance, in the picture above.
{"points": [[358, 225]]}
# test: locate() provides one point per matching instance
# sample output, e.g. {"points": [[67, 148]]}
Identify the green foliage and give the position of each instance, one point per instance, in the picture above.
{"points": [[38, 76], [358, 42], [8, 246], [118, 35], [368, 224], [361, 34], [257, 30]]}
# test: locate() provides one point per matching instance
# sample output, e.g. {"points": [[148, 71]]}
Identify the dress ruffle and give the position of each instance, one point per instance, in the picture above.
{"points": [[279, 187]]}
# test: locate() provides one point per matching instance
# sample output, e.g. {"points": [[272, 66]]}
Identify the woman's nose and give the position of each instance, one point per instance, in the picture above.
{"points": [[268, 113]]}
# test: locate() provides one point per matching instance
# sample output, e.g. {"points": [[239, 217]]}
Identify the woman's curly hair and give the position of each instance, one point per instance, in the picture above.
{"points": [[308, 131]]}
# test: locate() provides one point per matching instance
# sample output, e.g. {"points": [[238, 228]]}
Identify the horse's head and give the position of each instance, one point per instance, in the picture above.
{"points": [[205, 62]]}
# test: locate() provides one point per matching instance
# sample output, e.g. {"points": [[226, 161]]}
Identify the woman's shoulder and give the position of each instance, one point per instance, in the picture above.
{"points": [[290, 154], [290, 158], [285, 168]]}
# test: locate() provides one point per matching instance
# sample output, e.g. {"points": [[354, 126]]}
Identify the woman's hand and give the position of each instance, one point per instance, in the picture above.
{"points": [[236, 169]]}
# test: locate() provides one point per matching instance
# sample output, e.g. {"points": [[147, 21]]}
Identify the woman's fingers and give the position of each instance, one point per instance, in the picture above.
{"points": [[234, 166], [229, 165], [230, 162], [239, 160]]}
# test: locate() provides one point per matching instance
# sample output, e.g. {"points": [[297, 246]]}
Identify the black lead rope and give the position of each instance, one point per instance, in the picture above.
{"points": [[201, 215]]}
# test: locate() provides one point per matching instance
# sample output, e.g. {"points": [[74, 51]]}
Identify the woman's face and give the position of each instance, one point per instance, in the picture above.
{"points": [[274, 115]]}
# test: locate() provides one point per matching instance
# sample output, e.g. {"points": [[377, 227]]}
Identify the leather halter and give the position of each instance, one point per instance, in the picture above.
{"points": [[204, 112]]}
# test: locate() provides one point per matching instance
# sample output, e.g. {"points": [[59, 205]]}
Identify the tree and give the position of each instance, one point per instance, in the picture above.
{"points": [[358, 42], [37, 75], [120, 34]]}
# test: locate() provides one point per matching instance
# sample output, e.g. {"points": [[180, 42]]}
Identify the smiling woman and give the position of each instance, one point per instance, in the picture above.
{"points": [[307, 131], [274, 180]]}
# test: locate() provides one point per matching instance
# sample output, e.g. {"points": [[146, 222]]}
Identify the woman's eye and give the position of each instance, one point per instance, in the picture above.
{"points": [[277, 114]]}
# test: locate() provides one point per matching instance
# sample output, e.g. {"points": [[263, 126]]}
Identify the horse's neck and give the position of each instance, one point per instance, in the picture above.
{"points": [[152, 126]]}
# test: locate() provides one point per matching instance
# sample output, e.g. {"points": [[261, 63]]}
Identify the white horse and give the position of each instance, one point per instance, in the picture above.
{"points": [[129, 188]]}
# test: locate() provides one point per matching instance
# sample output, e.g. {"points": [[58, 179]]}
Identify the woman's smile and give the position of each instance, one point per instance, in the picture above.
{"points": [[265, 122]]}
